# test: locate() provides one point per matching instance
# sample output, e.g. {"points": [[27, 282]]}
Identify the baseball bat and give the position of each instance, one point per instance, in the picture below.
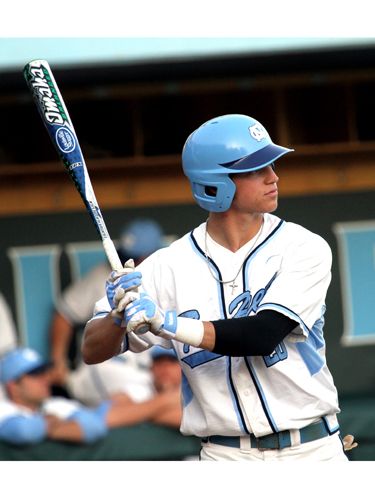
{"points": [[55, 116]]}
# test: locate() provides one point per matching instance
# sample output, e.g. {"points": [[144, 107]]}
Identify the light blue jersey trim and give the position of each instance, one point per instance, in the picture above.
{"points": [[187, 393], [199, 358], [221, 301], [258, 249], [199, 252], [287, 312], [309, 349], [313, 361], [314, 339]]}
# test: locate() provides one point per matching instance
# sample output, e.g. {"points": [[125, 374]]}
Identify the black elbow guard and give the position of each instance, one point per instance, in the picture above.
{"points": [[253, 335]]}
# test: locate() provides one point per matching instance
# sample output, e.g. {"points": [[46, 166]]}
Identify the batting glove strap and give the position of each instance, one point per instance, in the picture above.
{"points": [[185, 330], [117, 317], [164, 324]]}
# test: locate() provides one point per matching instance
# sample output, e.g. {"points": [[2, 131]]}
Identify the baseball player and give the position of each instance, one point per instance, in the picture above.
{"points": [[241, 298]]}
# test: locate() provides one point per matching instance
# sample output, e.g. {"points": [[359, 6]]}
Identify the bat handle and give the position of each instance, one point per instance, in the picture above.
{"points": [[142, 328], [112, 255]]}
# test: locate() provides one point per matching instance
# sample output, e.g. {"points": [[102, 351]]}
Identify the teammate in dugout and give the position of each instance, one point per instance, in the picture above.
{"points": [[29, 413], [241, 298]]}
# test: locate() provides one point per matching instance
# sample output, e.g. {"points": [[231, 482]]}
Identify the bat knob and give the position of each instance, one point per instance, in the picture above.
{"points": [[142, 329]]}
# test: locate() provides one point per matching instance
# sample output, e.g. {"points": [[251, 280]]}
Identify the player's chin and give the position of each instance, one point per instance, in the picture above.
{"points": [[270, 205]]}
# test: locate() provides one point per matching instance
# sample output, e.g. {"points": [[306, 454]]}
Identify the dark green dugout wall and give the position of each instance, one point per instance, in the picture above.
{"points": [[352, 367]]}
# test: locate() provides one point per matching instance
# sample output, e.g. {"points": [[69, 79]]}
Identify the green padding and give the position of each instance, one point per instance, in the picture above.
{"points": [[152, 442], [357, 416], [141, 442]]}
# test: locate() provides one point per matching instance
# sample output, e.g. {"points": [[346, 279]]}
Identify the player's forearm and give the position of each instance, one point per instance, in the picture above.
{"points": [[171, 417], [61, 333], [209, 336], [102, 339], [62, 430], [132, 413], [256, 335]]}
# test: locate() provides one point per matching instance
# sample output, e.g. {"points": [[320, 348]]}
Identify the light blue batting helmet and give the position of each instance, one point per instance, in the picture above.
{"points": [[141, 238], [21, 361], [228, 144]]}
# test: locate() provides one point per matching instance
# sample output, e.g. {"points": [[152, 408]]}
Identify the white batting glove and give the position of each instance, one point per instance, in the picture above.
{"points": [[164, 324], [142, 310], [120, 282]]}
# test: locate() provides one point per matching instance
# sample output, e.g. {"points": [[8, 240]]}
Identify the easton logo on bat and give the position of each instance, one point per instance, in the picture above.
{"points": [[43, 88]]}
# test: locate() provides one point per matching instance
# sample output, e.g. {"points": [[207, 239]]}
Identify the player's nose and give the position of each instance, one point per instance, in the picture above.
{"points": [[271, 176]]}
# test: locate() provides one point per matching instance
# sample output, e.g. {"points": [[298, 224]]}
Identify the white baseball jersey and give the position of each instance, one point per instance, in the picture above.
{"points": [[288, 271]]}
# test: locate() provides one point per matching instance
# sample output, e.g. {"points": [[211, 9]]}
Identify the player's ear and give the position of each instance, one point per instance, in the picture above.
{"points": [[12, 388]]}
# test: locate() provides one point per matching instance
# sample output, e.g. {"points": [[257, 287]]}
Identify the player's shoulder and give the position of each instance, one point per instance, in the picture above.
{"points": [[10, 409], [301, 239], [304, 235], [60, 407]]}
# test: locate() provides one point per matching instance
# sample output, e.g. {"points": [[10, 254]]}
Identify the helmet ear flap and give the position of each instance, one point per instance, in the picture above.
{"points": [[215, 195]]}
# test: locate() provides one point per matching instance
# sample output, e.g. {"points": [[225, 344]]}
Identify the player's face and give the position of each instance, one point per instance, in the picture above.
{"points": [[34, 389], [256, 192], [166, 373]]}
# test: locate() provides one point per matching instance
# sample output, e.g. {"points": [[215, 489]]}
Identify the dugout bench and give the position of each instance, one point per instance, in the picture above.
{"points": [[152, 442], [138, 442]]}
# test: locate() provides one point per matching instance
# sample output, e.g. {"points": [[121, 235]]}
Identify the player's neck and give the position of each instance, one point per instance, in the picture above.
{"points": [[231, 230]]}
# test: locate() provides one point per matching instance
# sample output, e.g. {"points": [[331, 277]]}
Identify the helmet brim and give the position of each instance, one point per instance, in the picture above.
{"points": [[257, 160]]}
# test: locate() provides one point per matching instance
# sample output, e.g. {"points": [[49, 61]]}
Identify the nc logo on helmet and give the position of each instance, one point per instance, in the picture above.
{"points": [[258, 132]]}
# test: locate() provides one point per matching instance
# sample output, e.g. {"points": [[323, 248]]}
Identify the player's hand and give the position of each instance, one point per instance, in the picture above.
{"points": [[145, 310], [349, 443], [120, 282], [59, 372]]}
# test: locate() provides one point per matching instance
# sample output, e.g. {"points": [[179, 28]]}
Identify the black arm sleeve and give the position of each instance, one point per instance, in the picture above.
{"points": [[256, 335]]}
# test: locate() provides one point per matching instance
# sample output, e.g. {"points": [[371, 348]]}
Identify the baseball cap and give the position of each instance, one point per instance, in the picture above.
{"points": [[21, 361], [141, 238], [159, 352]]}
